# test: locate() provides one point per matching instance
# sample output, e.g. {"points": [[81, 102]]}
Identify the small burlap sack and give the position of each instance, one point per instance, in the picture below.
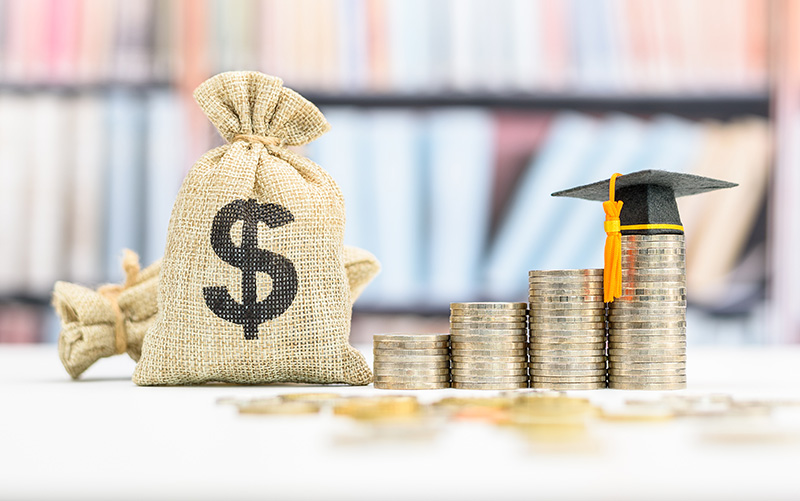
{"points": [[93, 326], [109, 321], [253, 286]]}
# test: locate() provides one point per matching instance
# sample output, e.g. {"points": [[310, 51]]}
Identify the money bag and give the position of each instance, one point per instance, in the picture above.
{"points": [[253, 286]]}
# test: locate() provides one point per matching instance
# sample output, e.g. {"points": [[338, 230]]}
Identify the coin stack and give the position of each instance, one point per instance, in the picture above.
{"points": [[568, 329], [647, 324], [411, 361], [488, 345]]}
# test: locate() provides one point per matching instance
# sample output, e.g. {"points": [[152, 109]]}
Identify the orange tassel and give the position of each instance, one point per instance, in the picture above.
{"points": [[612, 272]]}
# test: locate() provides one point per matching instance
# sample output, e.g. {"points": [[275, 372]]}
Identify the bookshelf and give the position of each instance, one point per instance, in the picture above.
{"points": [[353, 59]]}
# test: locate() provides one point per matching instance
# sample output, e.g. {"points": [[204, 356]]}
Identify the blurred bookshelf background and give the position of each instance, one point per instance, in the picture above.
{"points": [[452, 122]]}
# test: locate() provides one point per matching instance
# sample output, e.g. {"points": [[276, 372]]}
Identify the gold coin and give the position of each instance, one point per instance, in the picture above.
{"points": [[314, 398], [589, 272], [493, 402], [567, 379], [412, 363], [276, 406]]}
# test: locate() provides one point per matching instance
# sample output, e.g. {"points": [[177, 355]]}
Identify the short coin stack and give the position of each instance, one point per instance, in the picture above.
{"points": [[411, 361], [647, 324], [488, 345], [568, 329]]}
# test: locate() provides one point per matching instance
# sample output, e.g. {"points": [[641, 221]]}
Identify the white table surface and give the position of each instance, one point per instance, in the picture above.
{"points": [[105, 438]]}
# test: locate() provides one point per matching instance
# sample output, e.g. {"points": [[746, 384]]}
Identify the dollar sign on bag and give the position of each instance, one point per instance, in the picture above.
{"points": [[250, 313]]}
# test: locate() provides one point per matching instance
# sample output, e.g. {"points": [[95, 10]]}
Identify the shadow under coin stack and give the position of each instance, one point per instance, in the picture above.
{"points": [[411, 361], [647, 324], [568, 329], [488, 345]]}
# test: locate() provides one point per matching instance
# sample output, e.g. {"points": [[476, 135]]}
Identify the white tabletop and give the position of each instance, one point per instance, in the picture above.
{"points": [[104, 438]]}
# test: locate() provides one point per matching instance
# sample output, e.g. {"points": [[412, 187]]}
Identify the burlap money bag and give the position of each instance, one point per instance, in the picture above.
{"points": [[253, 286], [114, 318]]}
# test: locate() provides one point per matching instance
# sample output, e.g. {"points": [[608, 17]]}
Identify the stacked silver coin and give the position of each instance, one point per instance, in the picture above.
{"points": [[488, 345], [567, 329], [411, 361], [647, 324]]}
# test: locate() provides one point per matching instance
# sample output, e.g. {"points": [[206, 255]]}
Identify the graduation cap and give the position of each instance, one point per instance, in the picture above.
{"points": [[640, 203]]}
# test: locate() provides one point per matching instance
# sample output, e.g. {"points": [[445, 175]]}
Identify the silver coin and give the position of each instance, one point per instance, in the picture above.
{"points": [[487, 325], [411, 386], [568, 347], [488, 318], [434, 362], [660, 359], [650, 251], [568, 336], [411, 337], [396, 352], [493, 359], [565, 366], [488, 306], [582, 322], [515, 348], [410, 345], [491, 339], [496, 372], [538, 352], [596, 307], [639, 342], [499, 370], [592, 272], [648, 380], [635, 374], [489, 353], [639, 257], [568, 374], [565, 298], [574, 291], [664, 237], [495, 379], [646, 386], [628, 308], [646, 325], [569, 379], [402, 380], [568, 386], [489, 386], [677, 331]]}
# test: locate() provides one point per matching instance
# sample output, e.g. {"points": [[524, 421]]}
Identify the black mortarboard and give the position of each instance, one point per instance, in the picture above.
{"points": [[648, 198]]}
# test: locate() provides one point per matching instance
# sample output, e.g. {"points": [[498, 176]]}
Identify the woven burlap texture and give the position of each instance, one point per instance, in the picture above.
{"points": [[89, 322], [88, 317], [306, 342]]}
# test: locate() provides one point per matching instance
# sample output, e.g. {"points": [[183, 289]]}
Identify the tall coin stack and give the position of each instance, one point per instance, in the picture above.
{"points": [[568, 329], [411, 361], [647, 324], [488, 345]]}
